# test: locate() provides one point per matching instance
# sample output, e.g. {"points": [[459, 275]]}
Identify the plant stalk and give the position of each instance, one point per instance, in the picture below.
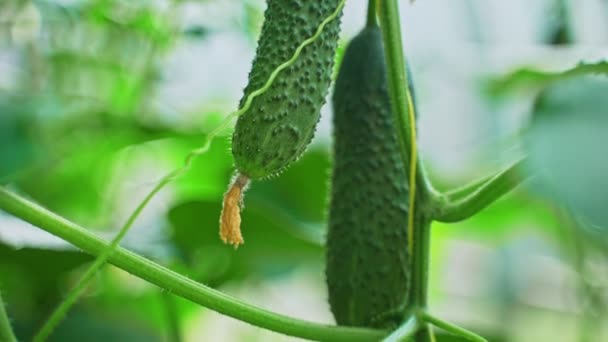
{"points": [[451, 328], [405, 331], [176, 283], [372, 13], [6, 331], [457, 208], [172, 314], [401, 99], [420, 264]]}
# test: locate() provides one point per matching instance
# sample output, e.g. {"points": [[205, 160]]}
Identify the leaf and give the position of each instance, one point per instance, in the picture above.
{"points": [[303, 189], [33, 277], [567, 144], [269, 247], [527, 78], [95, 327], [18, 147]]}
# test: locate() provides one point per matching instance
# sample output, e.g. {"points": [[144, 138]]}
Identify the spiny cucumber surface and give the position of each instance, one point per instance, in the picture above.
{"points": [[368, 266], [281, 122]]}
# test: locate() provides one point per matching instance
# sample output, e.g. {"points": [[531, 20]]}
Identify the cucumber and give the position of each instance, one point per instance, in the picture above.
{"points": [[281, 122], [367, 262]]}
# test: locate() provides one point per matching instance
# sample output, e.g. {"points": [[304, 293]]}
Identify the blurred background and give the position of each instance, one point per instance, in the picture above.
{"points": [[101, 98]]}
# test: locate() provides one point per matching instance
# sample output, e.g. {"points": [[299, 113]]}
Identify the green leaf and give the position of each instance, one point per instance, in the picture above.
{"points": [[18, 146], [532, 78], [270, 248], [32, 277], [567, 144], [95, 327], [303, 189]]}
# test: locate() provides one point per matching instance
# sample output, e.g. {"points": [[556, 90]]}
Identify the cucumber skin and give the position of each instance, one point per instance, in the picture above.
{"points": [[281, 122], [367, 263]]}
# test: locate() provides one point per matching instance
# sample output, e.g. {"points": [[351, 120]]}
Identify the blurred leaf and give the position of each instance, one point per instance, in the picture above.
{"points": [[18, 146], [73, 184], [303, 189], [268, 248], [253, 17], [134, 17], [92, 327], [567, 141], [527, 78], [73, 176], [209, 173], [34, 278]]}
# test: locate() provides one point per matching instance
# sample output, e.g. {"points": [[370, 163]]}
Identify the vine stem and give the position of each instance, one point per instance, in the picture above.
{"points": [[451, 328], [469, 200], [372, 13], [174, 282], [405, 331], [172, 315], [6, 331], [405, 119], [61, 311]]}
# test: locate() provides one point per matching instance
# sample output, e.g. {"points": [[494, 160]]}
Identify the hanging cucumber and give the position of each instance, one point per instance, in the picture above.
{"points": [[281, 121], [368, 266]]}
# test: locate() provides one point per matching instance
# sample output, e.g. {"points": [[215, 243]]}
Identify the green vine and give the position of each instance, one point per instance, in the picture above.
{"points": [[172, 315], [405, 331], [58, 315], [176, 283], [6, 332], [451, 328], [469, 200], [534, 78]]}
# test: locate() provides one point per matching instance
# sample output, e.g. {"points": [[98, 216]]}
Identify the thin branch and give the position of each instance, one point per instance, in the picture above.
{"points": [[482, 196], [6, 332], [372, 19], [451, 328], [403, 332], [467, 189], [176, 283], [172, 314]]}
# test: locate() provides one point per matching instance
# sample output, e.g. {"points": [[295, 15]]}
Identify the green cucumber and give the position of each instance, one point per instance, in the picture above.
{"points": [[368, 265], [281, 122]]}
